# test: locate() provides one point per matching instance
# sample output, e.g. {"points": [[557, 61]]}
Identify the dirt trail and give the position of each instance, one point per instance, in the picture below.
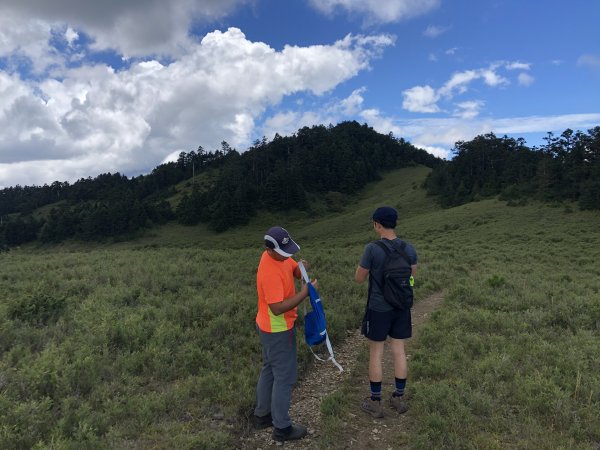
{"points": [[362, 431]]}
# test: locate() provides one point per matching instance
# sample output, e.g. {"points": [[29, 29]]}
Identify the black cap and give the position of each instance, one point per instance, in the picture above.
{"points": [[386, 216]]}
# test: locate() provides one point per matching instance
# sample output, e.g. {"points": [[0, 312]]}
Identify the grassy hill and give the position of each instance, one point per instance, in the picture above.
{"points": [[148, 343]]}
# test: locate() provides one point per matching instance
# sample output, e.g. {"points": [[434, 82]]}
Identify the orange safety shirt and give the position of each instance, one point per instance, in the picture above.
{"points": [[274, 283]]}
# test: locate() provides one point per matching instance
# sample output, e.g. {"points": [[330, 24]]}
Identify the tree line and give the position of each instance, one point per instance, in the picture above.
{"points": [[279, 175], [285, 173], [319, 162], [108, 205], [566, 168]]}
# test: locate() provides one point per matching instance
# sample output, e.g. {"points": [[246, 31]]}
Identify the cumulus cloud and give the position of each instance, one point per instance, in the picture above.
{"points": [[95, 119], [26, 41], [375, 11], [132, 27], [421, 99]]}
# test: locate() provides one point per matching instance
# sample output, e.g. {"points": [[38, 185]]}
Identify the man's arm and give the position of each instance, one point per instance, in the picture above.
{"points": [[361, 274], [290, 303]]}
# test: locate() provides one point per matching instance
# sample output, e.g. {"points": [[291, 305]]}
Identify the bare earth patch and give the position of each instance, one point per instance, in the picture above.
{"points": [[362, 431]]}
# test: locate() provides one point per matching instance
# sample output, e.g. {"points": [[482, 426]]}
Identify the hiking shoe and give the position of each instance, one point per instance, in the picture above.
{"points": [[398, 404], [293, 432], [372, 407], [263, 422]]}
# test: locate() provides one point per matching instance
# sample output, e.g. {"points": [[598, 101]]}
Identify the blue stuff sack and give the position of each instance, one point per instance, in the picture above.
{"points": [[315, 331], [315, 327]]}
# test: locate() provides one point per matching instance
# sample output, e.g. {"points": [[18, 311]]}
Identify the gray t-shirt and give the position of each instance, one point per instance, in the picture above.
{"points": [[372, 260]]}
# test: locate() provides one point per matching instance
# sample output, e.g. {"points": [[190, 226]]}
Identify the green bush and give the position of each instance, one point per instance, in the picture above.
{"points": [[38, 307]]}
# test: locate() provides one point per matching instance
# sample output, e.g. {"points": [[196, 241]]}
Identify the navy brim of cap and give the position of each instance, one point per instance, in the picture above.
{"points": [[289, 249], [286, 250]]}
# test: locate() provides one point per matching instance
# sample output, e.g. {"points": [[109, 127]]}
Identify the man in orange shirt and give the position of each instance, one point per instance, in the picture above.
{"points": [[277, 305]]}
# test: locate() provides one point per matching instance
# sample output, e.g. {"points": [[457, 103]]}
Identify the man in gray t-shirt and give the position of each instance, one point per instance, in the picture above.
{"points": [[382, 319]]}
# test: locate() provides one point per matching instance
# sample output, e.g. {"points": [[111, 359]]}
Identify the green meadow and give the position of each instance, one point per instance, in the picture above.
{"points": [[151, 343]]}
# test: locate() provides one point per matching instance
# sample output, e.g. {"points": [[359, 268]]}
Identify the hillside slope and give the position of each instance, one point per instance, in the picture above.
{"points": [[151, 344]]}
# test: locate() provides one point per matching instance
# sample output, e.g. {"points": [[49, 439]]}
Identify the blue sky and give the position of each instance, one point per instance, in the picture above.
{"points": [[88, 87]]}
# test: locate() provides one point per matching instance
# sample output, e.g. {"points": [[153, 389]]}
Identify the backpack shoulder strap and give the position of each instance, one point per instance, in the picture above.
{"points": [[387, 251], [385, 248], [400, 249]]}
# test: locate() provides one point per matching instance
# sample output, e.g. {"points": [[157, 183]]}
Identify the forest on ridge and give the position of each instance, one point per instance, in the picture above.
{"points": [[226, 188]]}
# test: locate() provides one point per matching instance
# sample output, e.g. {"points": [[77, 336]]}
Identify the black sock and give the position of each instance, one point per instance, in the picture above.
{"points": [[375, 390], [400, 386]]}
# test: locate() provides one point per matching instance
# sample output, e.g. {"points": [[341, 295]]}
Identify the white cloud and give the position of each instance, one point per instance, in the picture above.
{"points": [[376, 11], [491, 78], [287, 123], [437, 136], [451, 51], [433, 31], [380, 123], [26, 41], [518, 66], [132, 27], [458, 82], [424, 99], [440, 152], [469, 109], [525, 79], [443, 133], [420, 99], [95, 119], [71, 35], [543, 124], [352, 104], [589, 61]]}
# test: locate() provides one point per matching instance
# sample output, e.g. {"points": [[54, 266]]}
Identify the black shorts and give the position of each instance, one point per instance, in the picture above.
{"points": [[397, 324]]}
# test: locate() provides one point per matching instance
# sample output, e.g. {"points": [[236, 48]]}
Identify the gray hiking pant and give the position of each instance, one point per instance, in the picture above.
{"points": [[277, 377]]}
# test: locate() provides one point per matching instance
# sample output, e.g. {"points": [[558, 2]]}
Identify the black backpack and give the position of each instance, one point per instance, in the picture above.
{"points": [[397, 281]]}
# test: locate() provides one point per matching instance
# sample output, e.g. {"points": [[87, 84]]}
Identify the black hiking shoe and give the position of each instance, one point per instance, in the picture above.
{"points": [[263, 422], [293, 432]]}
